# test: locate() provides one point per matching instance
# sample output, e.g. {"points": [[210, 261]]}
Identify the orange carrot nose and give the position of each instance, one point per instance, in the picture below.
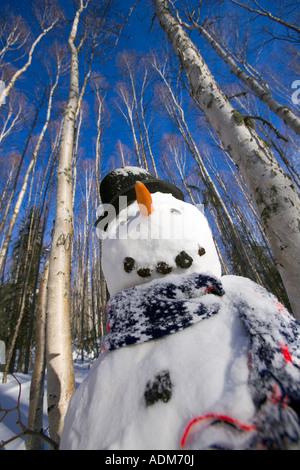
{"points": [[143, 198]]}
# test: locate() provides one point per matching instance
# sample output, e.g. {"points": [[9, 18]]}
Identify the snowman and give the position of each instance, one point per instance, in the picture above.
{"points": [[191, 359]]}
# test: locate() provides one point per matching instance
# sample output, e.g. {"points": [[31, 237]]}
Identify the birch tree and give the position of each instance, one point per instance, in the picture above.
{"points": [[90, 32], [175, 148], [98, 146], [132, 92], [26, 251], [60, 370], [128, 62], [14, 34], [31, 165], [293, 30], [124, 95], [259, 87], [35, 414], [11, 121], [275, 197], [20, 163], [228, 231], [10, 169], [48, 16]]}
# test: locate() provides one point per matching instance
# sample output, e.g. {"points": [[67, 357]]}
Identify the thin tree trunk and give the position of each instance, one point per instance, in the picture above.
{"points": [[98, 145], [269, 15], [28, 264], [145, 126], [26, 177], [176, 113], [42, 213], [12, 193], [275, 197], [35, 414], [11, 121], [130, 121], [60, 369], [6, 190], [133, 87], [23, 69], [285, 113]]}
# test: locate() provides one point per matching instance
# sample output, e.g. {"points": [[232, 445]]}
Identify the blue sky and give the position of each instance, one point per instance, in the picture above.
{"points": [[141, 34]]}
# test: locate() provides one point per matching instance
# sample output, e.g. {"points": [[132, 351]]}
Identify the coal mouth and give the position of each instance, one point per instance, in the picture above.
{"points": [[183, 260]]}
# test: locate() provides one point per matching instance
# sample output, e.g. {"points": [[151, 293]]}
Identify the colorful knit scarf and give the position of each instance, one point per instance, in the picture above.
{"points": [[163, 307]]}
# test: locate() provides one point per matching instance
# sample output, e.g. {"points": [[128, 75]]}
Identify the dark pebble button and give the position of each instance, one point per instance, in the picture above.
{"points": [[128, 264], [183, 260]]}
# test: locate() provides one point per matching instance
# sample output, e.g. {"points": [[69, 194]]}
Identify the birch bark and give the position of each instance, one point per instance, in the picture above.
{"points": [[13, 118], [176, 113], [60, 370], [35, 415], [100, 106], [145, 126], [285, 113], [128, 101], [23, 69], [31, 165], [274, 195]]}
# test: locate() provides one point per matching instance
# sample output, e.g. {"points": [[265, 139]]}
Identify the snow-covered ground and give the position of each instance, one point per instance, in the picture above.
{"points": [[9, 392]]}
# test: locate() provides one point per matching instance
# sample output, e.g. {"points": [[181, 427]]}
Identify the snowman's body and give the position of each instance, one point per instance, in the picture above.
{"points": [[201, 369], [187, 370]]}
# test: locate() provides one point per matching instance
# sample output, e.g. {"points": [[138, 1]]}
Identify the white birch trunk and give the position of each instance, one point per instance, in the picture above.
{"points": [[98, 145], [133, 87], [176, 113], [144, 124], [35, 414], [272, 191], [285, 113], [60, 369], [11, 121], [22, 192], [129, 119], [4, 195], [23, 69]]}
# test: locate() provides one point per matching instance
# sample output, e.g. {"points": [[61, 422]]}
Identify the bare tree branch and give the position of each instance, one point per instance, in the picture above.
{"points": [[267, 14]]}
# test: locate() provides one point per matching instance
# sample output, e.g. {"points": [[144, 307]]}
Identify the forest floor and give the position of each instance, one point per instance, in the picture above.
{"points": [[9, 392]]}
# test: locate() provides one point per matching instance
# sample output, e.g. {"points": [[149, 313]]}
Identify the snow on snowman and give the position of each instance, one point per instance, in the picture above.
{"points": [[192, 359]]}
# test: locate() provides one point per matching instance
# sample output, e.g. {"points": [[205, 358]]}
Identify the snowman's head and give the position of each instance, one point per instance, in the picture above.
{"points": [[156, 235]]}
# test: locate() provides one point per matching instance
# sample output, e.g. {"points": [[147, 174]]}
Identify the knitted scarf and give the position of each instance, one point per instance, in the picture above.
{"points": [[162, 307], [151, 311]]}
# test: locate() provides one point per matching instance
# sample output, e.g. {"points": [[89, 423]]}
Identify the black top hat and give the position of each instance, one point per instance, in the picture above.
{"points": [[121, 182]]}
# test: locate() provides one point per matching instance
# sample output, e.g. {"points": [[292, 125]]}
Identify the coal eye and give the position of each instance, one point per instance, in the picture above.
{"points": [[129, 264], [175, 211]]}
